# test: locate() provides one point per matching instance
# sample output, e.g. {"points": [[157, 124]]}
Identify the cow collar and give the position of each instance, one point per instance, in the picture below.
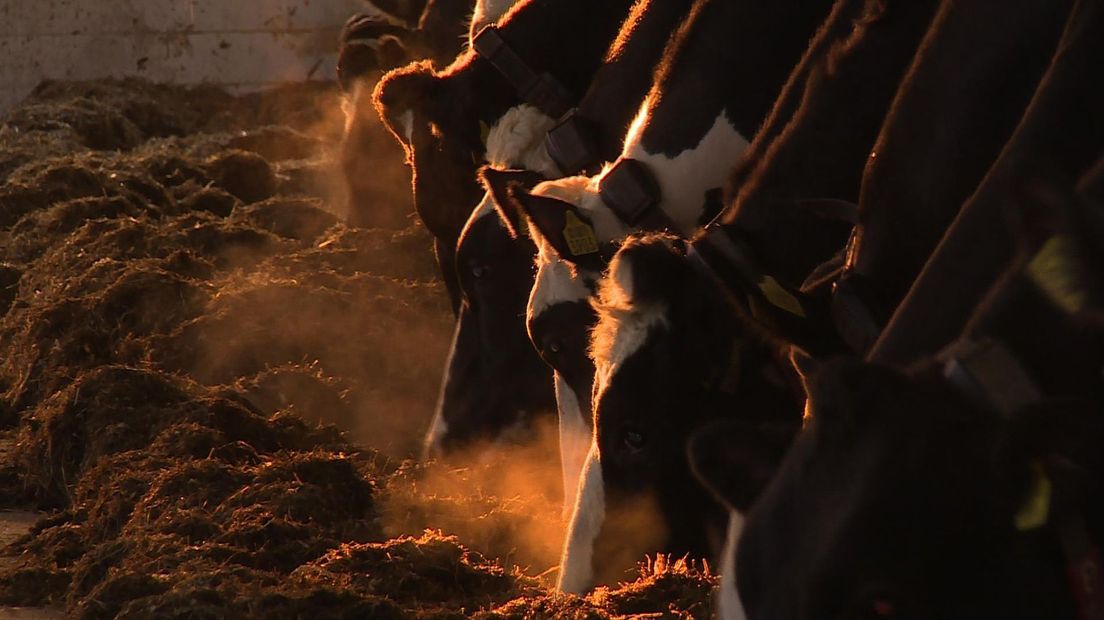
{"points": [[539, 90], [719, 255], [573, 144], [989, 373]]}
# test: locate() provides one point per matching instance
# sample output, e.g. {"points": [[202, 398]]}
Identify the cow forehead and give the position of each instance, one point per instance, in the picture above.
{"points": [[556, 283], [624, 325]]}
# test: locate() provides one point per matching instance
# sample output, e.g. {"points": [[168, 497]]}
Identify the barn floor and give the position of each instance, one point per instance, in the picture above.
{"points": [[214, 388]]}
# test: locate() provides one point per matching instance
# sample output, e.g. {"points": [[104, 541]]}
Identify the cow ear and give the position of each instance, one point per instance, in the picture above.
{"points": [[1060, 229], [735, 460], [563, 225], [405, 94], [392, 52], [498, 184], [362, 41]]}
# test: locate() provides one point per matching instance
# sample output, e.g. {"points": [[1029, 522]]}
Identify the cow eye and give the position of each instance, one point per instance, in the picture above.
{"points": [[554, 346], [478, 271], [635, 439]]}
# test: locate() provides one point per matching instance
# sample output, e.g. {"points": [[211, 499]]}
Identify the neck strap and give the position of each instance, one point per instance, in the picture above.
{"points": [[539, 90]]}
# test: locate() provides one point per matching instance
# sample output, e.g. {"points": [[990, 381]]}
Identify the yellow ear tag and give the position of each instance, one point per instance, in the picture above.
{"points": [[579, 236], [484, 131], [1035, 510], [780, 297], [1055, 271]]}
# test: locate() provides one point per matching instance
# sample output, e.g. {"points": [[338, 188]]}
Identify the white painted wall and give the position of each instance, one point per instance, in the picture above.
{"points": [[242, 44]]}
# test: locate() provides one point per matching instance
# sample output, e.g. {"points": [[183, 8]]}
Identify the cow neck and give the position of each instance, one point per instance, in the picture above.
{"points": [[943, 131], [989, 374], [847, 81], [1058, 127], [593, 133], [539, 89]]}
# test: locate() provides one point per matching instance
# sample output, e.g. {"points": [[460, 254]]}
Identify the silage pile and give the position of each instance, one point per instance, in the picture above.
{"points": [[186, 325]]}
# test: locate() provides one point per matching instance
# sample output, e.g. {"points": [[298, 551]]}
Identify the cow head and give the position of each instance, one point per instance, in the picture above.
{"points": [[669, 357], [495, 383], [448, 123], [572, 230], [438, 124], [369, 44], [902, 499]]}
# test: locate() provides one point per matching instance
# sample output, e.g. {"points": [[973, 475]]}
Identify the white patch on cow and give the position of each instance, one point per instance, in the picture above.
{"points": [[555, 283], [684, 179], [438, 428], [517, 141], [575, 440], [624, 323], [728, 599], [406, 124], [577, 563], [487, 12]]}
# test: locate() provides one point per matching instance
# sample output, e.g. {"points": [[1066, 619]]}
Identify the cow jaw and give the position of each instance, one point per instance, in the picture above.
{"points": [[577, 564]]}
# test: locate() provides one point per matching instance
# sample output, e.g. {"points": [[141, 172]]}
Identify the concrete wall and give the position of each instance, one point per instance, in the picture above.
{"points": [[243, 44]]}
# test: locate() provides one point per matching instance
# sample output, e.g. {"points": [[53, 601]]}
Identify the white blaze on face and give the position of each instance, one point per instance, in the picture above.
{"points": [[438, 428], [577, 564], [684, 179], [623, 324], [575, 440], [406, 123], [728, 599]]}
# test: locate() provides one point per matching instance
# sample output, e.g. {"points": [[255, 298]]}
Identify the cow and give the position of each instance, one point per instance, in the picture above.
{"points": [[967, 485], [653, 362], [946, 126], [1062, 125], [542, 53], [371, 43], [1057, 104], [675, 157], [495, 268]]}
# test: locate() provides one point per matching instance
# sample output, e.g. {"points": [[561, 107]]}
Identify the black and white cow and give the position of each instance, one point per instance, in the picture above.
{"points": [[495, 265], [543, 53], [676, 155], [657, 363], [969, 485]]}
